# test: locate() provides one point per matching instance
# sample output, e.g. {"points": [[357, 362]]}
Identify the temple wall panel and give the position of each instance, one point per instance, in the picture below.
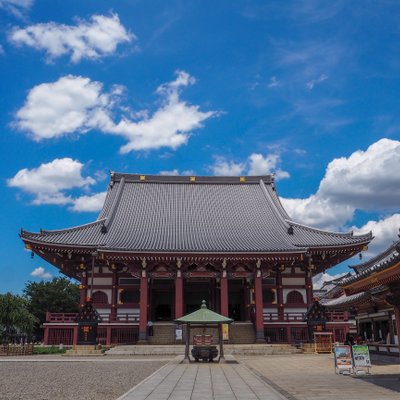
{"points": [[104, 310], [295, 310], [270, 309], [293, 281], [128, 311], [102, 281], [298, 270]]}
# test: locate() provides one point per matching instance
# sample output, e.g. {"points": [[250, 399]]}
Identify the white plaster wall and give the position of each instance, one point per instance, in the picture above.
{"points": [[295, 310], [102, 281], [128, 311], [270, 309], [293, 281], [298, 270], [104, 310]]}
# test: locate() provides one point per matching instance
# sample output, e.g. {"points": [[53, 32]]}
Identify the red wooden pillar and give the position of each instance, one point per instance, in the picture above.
{"points": [[83, 290], [114, 295], [178, 291], [279, 287], [259, 305], [108, 336], [309, 291], [75, 335], [143, 305], [46, 335], [224, 291]]}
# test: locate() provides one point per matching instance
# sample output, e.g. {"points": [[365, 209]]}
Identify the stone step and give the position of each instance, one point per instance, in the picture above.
{"points": [[85, 350], [238, 349]]}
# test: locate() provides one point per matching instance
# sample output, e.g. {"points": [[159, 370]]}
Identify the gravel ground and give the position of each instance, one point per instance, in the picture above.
{"points": [[100, 379]]}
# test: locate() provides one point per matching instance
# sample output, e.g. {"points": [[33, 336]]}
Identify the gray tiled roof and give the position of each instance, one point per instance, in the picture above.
{"points": [[212, 214], [387, 254], [386, 259], [345, 301]]}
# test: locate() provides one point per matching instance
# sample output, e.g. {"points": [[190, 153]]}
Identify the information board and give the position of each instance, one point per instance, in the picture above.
{"points": [[178, 332], [343, 359], [361, 356], [225, 332], [323, 342]]}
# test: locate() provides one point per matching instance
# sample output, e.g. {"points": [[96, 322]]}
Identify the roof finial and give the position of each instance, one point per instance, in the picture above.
{"points": [[203, 304]]}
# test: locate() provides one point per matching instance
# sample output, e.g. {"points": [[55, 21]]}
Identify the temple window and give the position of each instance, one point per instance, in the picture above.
{"points": [[294, 297], [100, 297]]}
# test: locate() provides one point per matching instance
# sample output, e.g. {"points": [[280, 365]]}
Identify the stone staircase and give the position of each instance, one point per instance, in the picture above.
{"points": [[85, 351], [239, 333]]}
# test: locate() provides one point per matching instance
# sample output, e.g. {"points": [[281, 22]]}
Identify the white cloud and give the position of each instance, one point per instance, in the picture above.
{"points": [[16, 7], [75, 104], [94, 39], [260, 165], [89, 203], [176, 172], [49, 181], [40, 272], [71, 104], [310, 84], [318, 212], [366, 180], [224, 167], [274, 82], [169, 126], [256, 164], [322, 277], [385, 231]]}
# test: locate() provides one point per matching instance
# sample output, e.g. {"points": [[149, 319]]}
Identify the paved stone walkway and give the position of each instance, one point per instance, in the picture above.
{"points": [[202, 382], [291, 377], [312, 377]]}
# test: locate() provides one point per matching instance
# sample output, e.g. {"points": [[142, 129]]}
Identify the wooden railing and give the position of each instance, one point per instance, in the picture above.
{"points": [[16, 349], [64, 318], [299, 317]]}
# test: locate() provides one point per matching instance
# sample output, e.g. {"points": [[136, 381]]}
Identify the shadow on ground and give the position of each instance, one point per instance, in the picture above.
{"points": [[391, 381]]}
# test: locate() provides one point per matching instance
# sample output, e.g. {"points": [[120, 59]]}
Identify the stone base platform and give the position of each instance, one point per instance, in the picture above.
{"points": [[233, 349]]}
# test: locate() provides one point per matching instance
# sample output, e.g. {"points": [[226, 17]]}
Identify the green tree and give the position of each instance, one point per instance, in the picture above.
{"points": [[59, 295], [15, 318]]}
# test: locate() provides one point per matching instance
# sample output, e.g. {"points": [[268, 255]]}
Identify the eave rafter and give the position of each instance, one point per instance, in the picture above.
{"points": [[384, 277]]}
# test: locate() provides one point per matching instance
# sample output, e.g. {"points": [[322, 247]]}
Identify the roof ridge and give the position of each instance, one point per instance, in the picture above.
{"points": [[378, 257], [54, 231], [325, 231], [115, 203], [271, 201], [192, 179]]}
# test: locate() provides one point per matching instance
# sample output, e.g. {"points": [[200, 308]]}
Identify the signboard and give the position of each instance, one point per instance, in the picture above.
{"points": [[225, 332], [323, 342], [343, 359], [361, 356], [178, 332]]}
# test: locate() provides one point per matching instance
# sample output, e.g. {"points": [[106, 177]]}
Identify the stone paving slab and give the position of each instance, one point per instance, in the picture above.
{"points": [[312, 377], [200, 381]]}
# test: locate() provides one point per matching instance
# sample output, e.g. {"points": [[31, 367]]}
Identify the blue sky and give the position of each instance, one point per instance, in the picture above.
{"points": [[305, 89]]}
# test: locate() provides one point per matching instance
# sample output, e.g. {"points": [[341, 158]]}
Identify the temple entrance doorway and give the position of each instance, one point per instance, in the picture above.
{"points": [[198, 289], [238, 300], [162, 306]]}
